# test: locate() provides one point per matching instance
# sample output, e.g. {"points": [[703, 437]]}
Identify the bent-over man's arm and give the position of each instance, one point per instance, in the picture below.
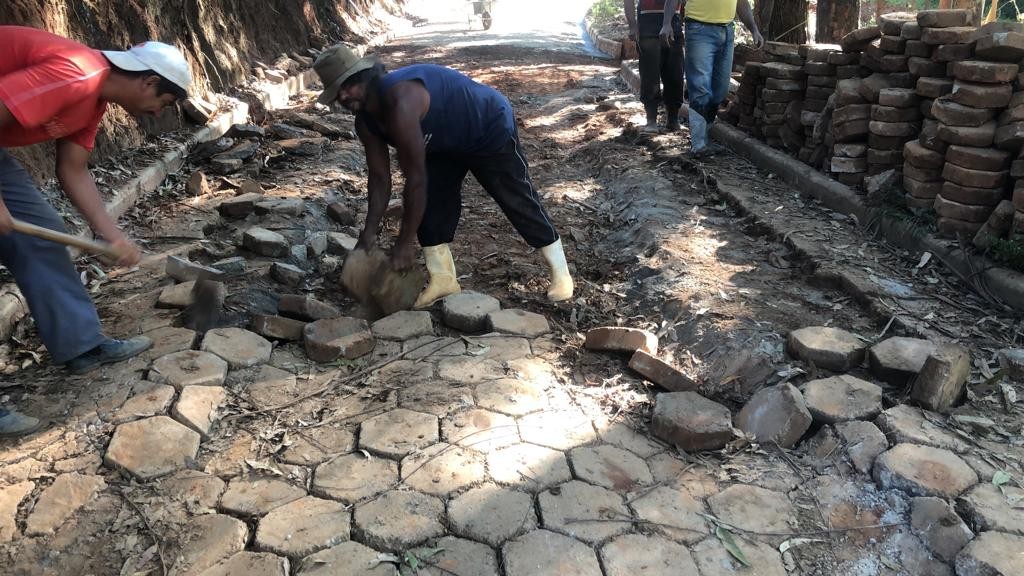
{"points": [[378, 186], [746, 15], [408, 103]]}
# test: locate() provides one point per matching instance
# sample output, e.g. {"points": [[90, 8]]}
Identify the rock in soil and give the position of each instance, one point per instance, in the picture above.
{"points": [[923, 471], [691, 421], [776, 414]]}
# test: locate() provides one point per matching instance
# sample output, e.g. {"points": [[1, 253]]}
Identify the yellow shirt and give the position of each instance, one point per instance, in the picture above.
{"points": [[711, 11]]}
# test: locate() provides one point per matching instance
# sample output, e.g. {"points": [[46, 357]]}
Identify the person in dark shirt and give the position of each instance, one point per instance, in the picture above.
{"points": [[661, 63]]}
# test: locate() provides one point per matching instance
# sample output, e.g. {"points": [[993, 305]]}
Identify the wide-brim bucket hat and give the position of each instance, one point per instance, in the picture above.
{"points": [[335, 65]]}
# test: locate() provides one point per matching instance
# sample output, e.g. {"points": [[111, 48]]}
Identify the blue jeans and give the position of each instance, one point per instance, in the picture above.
{"points": [[708, 71]]}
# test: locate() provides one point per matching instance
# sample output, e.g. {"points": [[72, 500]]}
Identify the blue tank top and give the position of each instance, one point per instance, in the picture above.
{"points": [[465, 117]]}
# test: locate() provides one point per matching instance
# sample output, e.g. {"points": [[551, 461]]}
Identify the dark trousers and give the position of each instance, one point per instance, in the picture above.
{"points": [[505, 175], [64, 314], [661, 73]]}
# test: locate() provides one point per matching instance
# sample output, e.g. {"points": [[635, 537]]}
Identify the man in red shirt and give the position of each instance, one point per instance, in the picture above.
{"points": [[52, 88]]}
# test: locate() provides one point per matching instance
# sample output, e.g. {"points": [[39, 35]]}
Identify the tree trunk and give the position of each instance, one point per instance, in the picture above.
{"points": [[823, 23], [836, 18], [782, 20]]}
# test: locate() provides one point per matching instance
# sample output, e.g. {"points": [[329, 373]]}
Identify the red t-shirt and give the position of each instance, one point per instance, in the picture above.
{"points": [[51, 85]]}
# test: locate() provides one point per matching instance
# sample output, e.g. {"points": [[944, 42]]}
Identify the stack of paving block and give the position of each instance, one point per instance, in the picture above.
{"points": [[821, 84], [945, 37], [850, 126], [895, 120], [746, 97], [783, 93]]}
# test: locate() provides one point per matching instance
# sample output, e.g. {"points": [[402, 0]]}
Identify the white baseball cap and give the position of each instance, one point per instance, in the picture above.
{"points": [[164, 59]]}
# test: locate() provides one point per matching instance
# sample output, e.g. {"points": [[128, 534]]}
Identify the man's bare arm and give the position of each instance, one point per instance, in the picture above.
{"points": [[378, 163], [746, 15], [629, 7], [408, 103], [667, 34]]}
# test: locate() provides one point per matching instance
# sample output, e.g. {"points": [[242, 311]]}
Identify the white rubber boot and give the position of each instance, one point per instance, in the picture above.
{"points": [[441, 268], [561, 282]]}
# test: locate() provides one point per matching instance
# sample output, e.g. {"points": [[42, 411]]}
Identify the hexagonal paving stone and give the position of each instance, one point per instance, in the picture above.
{"points": [[346, 559], [467, 311], [512, 397], [492, 514], [640, 555], [240, 348], [168, 340], [611, 467], [442, 468], [312, 446], [568, 507], [433, 347], [148, 399], [250, 564], [189, 368], [207, 540], [754, 508], [199, 492], [625, 437], [197, 407], [544, 553], [480, 430], [396, 520], [675, 513], [558, 429], [842, 398], [714, 560], [152, 447], [985, 506], [403, 325], [498, 348], [923, 471], [528, 466], [437, 398], [518, 323], [258, 496], [456, 556], [398, 432], [354, 477], [302, 527], [402, 373], [469, 369]]}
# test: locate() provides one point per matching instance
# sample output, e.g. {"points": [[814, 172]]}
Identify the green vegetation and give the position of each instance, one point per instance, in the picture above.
{"points": [[606, 10], [1010, 253]]}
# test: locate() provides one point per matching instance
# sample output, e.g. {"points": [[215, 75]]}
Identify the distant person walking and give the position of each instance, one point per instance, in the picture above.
{"points": [[661, 61]]}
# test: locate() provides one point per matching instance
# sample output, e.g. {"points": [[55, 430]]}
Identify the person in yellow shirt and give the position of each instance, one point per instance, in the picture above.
{"points": [[708, 30]]}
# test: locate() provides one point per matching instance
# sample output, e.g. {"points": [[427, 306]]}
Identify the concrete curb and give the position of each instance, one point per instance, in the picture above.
{"points": [[1006, 285], [613, 48]]}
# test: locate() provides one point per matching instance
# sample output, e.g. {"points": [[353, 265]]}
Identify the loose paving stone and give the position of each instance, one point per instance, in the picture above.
{"points": [[403, 325], [281, 206], [311, 446], [938, 526], [239, 206], [397, 521], [558, 429], [302, 307], [691, 421], [498, 348], [287, 274], [328, 340], [180, 295], [985, 72], [168, 340], [451, 555], [754, 508], [354, 477], [625, 437], [610, 467], [397, 433], [480, 430], [303, 527], [346, 559], [660, 372], [232, 266], [545, 553], [944, 18], [896, 360], [988, 508], [864, 442], [340, 244], [150, 448], [675, 513], [442, 468], [992, 554], [713, 559], [842, 398], [10, 498], [60, 501], [278, 327], [923, 471], [620, 339], [250, 564], [776, 414], [240, 348], [197, 407], [512, 397], [518, 323], [943, 378], [982, 95], [198, 491], [907, 424], [829, 348], [640, 555], [1000, 47], [265, 242], [183, 270], [148, 399], [568, 507], [492, 514], [467, 311], [256, 496], [470, 370], [341, 213], [207, 540], [528, 466]]}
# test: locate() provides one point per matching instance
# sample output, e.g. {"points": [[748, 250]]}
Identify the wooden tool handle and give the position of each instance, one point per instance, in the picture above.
{"points": [[66, 239]]}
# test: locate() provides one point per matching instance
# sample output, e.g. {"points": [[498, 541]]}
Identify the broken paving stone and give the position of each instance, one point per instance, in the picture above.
{"points": [[619, 339], [304, 146], [492, 514], [206, 541], [398, 432], [610, 467], [396, 521], [480, 430], [644, 555], [10, 498], [675, 513], [403, 325], [562, 429], [993, 508], [278, 327], [328, 340], [265, 242], [306, 308], [341, 213], [938, 526], [242, 151], [239, 206], [568, 507], [354, 477], [907, 424], [776, 414], [691, 421], [442, 469], [287, 274], [225, 166], [992, 554], [451, 555], [828, 348], [150, 448], [864, 442], [518, 323], [898, 359], [528, 466], [467, 311], [842, 398], [197, 407], [346, 559], [303, 527], [281, 207], [256, 496], [754, 508], [250, 564], [148, 399], [183, 270], [180, 295], [60, 501], [198, 491], [923, 471], [660, 372], [232, 266], [240, 348], [340, 244], [545, 553], [943, 378], [318, 444]]}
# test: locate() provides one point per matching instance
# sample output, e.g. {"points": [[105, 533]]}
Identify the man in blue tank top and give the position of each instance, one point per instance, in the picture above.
{"points": [[443, 125]]}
